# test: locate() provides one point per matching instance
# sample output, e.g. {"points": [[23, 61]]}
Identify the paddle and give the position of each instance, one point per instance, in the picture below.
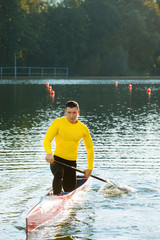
{"points": [[120, 187]]}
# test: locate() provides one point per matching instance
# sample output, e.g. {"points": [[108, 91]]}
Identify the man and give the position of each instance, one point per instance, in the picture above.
{"points": [[67, 131]]}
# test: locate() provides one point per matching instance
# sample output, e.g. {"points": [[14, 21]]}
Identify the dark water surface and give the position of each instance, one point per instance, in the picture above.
{"points": [[125, 127]]}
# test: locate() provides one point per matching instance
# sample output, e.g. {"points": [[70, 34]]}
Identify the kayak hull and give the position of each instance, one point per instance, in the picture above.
{"points": [[50, 206]]}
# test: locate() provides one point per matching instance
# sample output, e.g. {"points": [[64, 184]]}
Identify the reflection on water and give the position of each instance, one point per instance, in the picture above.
{"points": [[125, 129]]}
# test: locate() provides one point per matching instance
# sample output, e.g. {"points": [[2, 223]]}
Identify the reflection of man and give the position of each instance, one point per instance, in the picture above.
{"points": [[67, 131]]}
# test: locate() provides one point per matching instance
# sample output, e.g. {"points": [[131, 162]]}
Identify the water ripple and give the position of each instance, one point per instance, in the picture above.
{"points": [[125, 130]]}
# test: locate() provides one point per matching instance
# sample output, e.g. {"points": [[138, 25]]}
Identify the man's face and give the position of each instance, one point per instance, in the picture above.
{"points": [[72, 114]]}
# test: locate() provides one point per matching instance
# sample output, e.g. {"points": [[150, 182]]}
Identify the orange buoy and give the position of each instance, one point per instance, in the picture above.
{"points": [[52, 93], [116, 84], [47, 84], [130, 86], [49, 88], [148, 90]]}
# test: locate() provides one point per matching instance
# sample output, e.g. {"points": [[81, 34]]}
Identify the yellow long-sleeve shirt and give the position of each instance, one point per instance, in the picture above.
{"points": [[67, 137]]}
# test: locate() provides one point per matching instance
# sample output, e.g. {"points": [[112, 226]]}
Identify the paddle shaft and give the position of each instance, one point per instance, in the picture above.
{"points": [[78, 170], [120, 187]]}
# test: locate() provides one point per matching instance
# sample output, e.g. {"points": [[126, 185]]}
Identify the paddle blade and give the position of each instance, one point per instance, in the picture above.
{"points": [[110, 191], [114, 189], [122, 187]]}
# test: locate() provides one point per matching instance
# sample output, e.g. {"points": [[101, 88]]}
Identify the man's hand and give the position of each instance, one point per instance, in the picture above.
{"points": [[87, 173], [49, 158]]}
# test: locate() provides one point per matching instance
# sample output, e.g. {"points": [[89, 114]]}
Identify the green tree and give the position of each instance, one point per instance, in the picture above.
{"points": [[103, 25], [11, 19], [91, 37], [64, 37], [19, 30]]}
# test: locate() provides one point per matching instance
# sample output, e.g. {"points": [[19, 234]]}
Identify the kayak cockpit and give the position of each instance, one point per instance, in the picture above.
{"points": [[80, 181]]}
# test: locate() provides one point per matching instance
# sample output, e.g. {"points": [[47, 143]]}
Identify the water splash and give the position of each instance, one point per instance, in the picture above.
{"points": [[110, 190]]}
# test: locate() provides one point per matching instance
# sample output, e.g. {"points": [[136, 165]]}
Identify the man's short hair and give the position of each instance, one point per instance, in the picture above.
{"points": [[72, 104]]}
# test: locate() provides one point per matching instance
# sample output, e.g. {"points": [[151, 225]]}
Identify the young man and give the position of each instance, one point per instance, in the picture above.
{"points": [[67, 131]]}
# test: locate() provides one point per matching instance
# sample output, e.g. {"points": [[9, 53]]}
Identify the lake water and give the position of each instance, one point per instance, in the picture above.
{"points": [[125, 127]]}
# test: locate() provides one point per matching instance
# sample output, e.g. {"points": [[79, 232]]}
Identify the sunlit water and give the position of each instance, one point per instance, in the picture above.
{"points": [[125, 127]]}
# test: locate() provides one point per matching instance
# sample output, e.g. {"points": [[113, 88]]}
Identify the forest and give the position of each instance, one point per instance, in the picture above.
{"points": [[90, 37]]}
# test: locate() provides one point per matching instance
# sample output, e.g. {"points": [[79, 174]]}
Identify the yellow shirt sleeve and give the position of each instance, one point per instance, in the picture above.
{"points": [[89, 147], [51, 133]]}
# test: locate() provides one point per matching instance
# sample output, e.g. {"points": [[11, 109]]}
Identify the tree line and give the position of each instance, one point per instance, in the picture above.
{"points": [[91, 37]]}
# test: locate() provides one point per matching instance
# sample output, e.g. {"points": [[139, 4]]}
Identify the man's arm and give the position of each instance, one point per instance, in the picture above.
{"points": [[90, 152], [87, 173], [49, 158], [47, 141]]}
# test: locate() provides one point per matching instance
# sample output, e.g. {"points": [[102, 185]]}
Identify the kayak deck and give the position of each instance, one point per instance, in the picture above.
{"points": [[50, 206]]}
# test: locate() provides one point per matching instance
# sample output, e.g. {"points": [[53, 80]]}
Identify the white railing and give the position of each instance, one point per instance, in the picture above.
{"points": [[34, 71]]}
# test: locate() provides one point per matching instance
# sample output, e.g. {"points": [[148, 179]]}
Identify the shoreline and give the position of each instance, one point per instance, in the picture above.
{"points": [[81, 77]]}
